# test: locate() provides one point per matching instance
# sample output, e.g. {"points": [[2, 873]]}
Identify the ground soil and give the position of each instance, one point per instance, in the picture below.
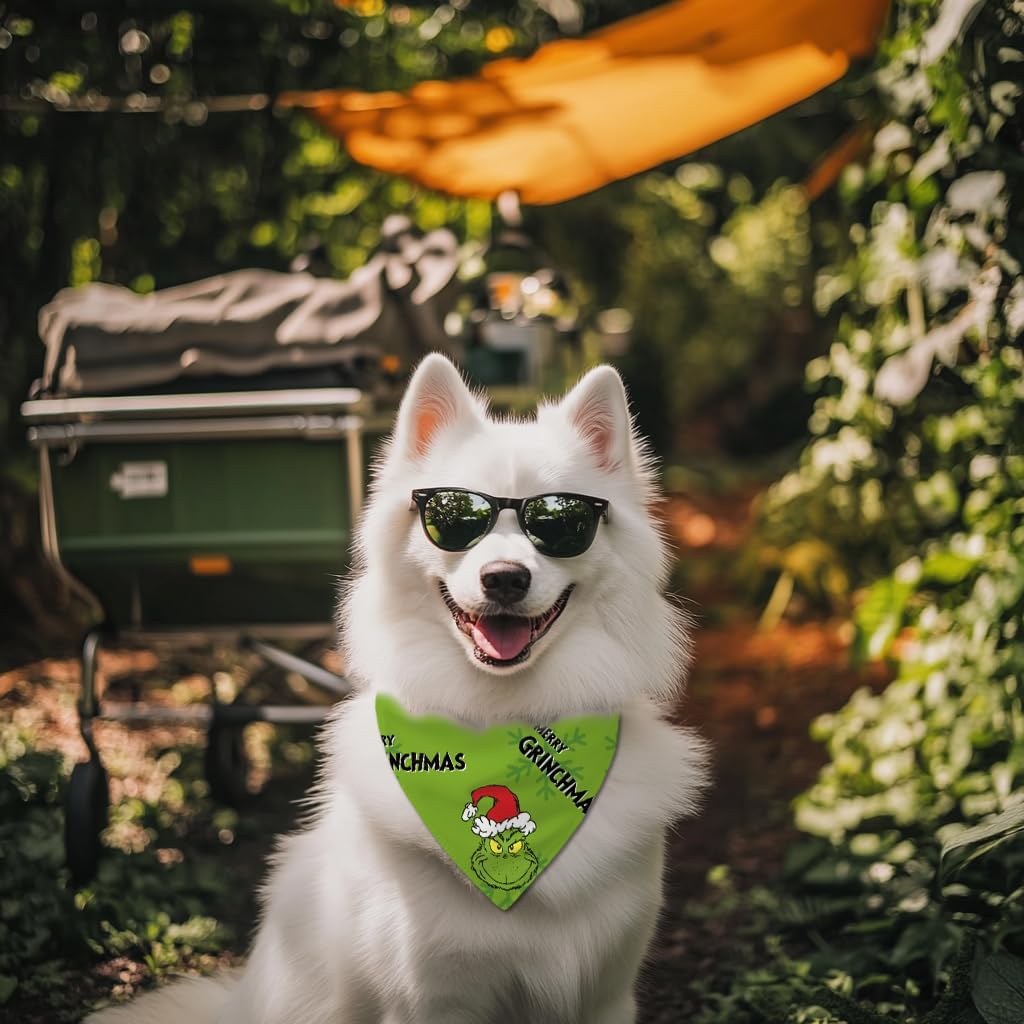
{"points": [[752, 692]]}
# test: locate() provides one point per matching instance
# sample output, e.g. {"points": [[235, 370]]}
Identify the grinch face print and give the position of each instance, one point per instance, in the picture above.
{"points": [[555, 769], [506, 862], [504, 858]]}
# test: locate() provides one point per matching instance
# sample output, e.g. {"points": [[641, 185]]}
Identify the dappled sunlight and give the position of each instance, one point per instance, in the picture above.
{"points": [[162, 901]]}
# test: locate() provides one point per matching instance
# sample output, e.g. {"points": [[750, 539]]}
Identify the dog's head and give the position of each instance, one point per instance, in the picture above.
{"points": [[508, 628]]}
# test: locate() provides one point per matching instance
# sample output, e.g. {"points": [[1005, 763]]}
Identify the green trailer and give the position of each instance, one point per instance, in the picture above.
{"points": [[197, 510], [197, 518]]}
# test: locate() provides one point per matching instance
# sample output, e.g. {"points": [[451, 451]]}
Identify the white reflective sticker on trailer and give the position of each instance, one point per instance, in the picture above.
{"points": [[140, 480]]}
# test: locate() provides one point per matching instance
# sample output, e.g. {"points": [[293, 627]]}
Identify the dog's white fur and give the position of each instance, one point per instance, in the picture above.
{"points": [[365, 919]]}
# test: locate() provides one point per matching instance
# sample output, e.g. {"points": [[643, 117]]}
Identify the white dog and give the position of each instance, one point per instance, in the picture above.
{"points": [[365, 919]]}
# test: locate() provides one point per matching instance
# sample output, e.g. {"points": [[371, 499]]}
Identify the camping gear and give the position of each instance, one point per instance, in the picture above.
{"points": [[202, 454], [520, 319], [108, 340]]}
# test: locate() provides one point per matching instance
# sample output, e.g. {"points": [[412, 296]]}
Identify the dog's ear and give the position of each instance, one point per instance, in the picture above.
{"points": [[436, 398], [597, 409]]}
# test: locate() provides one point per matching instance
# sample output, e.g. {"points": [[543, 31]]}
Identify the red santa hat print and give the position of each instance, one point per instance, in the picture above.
{"points": [[503, 814]]}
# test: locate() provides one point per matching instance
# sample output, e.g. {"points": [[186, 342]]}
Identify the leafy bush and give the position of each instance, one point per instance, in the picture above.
{"points": [[916, 427], [915, 482], [141, 906], [731, 271]]}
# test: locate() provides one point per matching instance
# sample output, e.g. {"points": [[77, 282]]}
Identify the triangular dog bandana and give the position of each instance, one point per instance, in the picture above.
{"points": [[502, 802]]}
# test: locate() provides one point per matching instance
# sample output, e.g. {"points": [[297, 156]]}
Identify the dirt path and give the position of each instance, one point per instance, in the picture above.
{"points": [[753, 694]]}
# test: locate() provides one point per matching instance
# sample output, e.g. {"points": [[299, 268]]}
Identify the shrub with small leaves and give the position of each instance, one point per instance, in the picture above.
{"points": [[49, 931], [914, 482]]}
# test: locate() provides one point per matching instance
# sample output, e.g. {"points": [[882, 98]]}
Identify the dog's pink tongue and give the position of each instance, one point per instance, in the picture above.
{"points": [[502, 637]]}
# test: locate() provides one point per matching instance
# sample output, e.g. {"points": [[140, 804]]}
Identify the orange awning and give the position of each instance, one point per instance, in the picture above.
{"points": [[582, 112]]}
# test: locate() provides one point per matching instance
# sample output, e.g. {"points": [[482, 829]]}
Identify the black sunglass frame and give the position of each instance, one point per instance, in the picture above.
{"points": [[422, 495]]}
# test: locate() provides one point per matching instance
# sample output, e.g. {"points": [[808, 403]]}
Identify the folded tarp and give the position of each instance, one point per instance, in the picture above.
{"points": [[105, 339]]}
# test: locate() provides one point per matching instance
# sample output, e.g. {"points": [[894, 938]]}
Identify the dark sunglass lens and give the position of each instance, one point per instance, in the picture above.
{"points": [[456, 520], [560, 525]]}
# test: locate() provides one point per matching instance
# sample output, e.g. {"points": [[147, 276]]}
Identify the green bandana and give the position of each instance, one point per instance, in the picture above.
{"points": [[502, 802]]}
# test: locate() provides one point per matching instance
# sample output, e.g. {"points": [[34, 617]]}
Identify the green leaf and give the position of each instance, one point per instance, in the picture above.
{"points": [[879, 617], [968, 1015], [7, 987], [992, 833], [946, 567], [999, 989]]}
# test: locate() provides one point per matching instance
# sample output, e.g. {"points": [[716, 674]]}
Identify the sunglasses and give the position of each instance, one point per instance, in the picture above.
{"points": [[559, 525]]}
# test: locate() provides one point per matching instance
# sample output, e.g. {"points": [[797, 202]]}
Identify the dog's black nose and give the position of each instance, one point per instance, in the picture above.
{"points": [[505, 582]]}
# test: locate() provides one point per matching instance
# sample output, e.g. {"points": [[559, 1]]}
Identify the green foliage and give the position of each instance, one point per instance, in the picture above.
{"points": [[999, 991], [893, 940], [717, 270], [915, 482], [732, 274], [150, 907], [972, 843], [916, 426]]}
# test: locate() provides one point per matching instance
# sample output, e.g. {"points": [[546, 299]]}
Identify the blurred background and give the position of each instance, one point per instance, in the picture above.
{"points": [[819, 320]]}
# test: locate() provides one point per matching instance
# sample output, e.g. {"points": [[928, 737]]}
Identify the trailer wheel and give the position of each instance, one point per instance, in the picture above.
{"points": [[88, 801], [227, 767]]}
